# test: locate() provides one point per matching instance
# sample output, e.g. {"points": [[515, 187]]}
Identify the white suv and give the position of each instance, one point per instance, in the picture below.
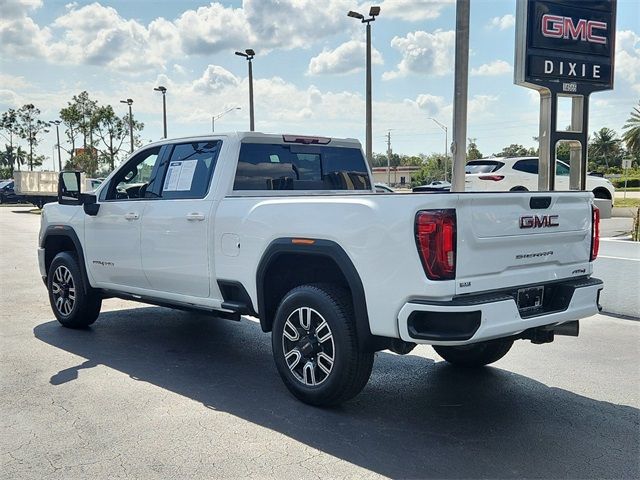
{"points": [[521, 174]]}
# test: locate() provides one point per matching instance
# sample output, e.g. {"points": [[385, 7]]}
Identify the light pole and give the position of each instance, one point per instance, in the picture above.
{"points": [[57, 124], [164, 107], [373, 13], [129, 102], [446, 144], [249, 54], [220, 115]]}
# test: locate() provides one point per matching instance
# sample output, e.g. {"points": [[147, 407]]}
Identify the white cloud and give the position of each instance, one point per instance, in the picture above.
{"points": [[346, 58], [12, 81], [503, 23], [497, 67], [211, 29], [481, 103], [413, 10], [627, 66], [289, 24], [20, 36], [424, 52], [214, 79], [98, 35], [431, 104]]}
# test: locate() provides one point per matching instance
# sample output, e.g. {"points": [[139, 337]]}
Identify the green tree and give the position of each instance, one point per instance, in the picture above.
{"points": [[513, 150], [112, 131], [432, 169], [29, 127], [472, 150], [84, 162], [605, 148], [71, 118], [631, 136], [12, 157]]}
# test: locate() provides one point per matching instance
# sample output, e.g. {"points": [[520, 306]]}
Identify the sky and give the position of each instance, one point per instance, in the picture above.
{"points": [[308, 71]]}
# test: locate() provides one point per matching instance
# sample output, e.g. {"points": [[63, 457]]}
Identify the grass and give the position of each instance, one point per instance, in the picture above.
{"points": [[627, 202]]}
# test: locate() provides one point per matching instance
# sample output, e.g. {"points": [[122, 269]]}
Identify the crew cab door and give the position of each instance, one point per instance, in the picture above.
{"points": [[177, 229], [112, 237]]}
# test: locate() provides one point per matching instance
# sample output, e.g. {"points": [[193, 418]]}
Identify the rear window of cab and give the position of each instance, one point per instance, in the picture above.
{"points": [[263, 166]]}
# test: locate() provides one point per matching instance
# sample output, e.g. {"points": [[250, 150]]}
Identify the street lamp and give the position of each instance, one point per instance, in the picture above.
{"points": [[216, 117], [57, 124], [373, 13], [129, 102], [249, 54], [446, 143], [164, 107]]}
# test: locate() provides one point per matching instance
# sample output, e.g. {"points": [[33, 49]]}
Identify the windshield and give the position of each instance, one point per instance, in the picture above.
{"points": [[483, 166]]}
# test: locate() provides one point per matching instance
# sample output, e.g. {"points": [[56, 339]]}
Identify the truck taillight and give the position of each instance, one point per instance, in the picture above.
{"points": [[436, 241], [595, 232], [495, 178]]}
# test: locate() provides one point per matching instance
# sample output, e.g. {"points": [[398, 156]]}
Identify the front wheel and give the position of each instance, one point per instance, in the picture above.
{"points": [[73, 305], [477, 354], [315, 346]]}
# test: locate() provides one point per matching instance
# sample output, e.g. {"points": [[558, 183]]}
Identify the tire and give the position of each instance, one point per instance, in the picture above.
{"points": [[519, 189], [70, 304], [477, 354], [601, 193], [328, 367]]}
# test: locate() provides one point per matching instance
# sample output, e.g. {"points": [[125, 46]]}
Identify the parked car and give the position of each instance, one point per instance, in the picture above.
{"points": [[521, 174], [383, 188], [7, 192], [289, 229], [435, 186]]}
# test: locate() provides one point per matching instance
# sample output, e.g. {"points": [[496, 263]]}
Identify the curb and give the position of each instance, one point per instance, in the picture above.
{"points": [[623, 212]]}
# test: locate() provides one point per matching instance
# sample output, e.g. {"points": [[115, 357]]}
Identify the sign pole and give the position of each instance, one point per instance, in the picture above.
{"points": [[459, 146], [564, 48]]}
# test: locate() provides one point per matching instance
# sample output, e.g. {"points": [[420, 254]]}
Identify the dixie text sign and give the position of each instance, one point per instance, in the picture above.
{"points": [[565, 46]]}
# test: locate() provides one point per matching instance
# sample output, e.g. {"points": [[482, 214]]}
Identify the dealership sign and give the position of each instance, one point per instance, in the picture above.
{"points": [[565, 46]]}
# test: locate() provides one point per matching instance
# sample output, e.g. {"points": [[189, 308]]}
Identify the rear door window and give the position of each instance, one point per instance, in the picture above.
{"points": [[189, 169], [483, 166], [300, 167]]}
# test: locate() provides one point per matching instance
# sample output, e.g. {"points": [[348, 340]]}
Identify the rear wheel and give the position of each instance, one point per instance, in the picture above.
{"points": [[519, 189], [602, 194], [73, 305], [477, 354], [315, 346]]}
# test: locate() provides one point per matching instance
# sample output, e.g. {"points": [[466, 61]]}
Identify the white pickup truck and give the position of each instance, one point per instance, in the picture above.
{"points": [[289, 229]]}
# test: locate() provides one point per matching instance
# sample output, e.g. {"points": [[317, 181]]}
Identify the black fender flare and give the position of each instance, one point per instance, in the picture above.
{"points": [[70, 233], [316, 247]]}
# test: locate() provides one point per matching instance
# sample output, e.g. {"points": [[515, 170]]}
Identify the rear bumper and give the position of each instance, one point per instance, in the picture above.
{"points": [[471, 319]]}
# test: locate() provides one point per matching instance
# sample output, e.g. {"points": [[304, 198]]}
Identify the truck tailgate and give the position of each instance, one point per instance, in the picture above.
{"points": [[508, 239]]}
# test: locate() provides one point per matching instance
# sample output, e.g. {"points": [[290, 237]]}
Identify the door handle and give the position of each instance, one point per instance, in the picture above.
{"points": [[192, 217], [131, 216]]}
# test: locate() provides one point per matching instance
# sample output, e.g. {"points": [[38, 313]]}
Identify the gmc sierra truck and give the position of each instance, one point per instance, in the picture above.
{"points": [[290, 229]]}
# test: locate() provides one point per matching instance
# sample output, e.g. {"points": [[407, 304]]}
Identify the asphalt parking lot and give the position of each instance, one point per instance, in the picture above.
{"points": [[149, 392]]}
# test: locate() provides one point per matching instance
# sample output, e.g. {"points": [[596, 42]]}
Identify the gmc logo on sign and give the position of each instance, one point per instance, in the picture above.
{"points": [[555, 26], [535, 221]]}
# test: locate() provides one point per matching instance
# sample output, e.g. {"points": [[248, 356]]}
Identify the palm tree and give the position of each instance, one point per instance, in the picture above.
{"points": [[632, 135], [604, 146]]}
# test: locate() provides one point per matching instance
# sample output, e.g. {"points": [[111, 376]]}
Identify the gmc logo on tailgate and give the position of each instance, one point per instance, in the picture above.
{"points": [[535, 221]]}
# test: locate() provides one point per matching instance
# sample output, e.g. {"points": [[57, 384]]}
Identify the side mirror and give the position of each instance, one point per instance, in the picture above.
{"points": [[89, 204], [69, 188]]}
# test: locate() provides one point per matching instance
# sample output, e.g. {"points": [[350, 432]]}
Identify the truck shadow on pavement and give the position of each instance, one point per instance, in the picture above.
{"points": [[415, 418]]}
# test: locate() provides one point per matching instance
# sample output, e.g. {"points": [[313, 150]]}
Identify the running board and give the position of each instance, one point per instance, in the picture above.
{"points": [[229, 312]]}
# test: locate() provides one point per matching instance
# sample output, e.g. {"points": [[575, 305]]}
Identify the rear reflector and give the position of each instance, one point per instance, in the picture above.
{"points": [[595, 232], [306, 140], [436, 241], [495, 178]]}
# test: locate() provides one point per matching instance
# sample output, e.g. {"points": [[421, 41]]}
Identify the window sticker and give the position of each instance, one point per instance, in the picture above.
{"points": [[180, 176]]}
